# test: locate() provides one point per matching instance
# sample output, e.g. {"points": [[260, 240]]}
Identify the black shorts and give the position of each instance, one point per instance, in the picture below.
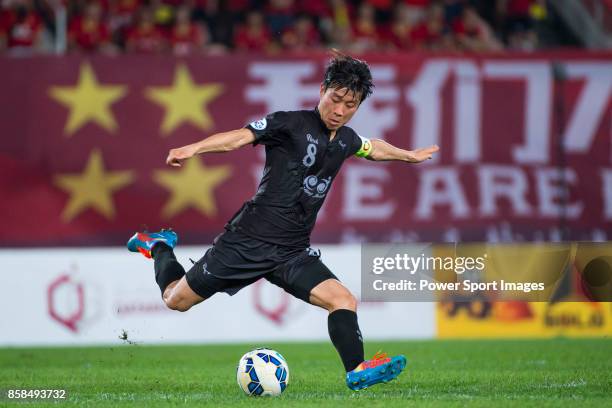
{"points": [[237, 260]]}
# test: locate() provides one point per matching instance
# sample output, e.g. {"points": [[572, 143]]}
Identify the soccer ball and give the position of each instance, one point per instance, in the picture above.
{"points": [[262, 372]]}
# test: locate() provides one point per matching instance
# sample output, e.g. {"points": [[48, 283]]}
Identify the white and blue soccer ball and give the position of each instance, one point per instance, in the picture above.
{"points": [[262, 372]]}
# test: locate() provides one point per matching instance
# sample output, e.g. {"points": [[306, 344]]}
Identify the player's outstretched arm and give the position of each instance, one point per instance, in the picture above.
{"points": [[383, 151], [217, 143]]}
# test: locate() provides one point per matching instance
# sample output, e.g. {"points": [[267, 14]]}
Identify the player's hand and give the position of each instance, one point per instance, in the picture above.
{"points": [[177, 156], [420, 155]]}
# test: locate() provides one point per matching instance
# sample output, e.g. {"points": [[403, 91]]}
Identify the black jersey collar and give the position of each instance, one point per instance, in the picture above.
{"points": [[323, 126]]}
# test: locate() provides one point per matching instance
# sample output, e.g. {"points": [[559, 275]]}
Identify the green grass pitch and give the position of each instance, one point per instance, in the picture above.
{"points": [[559, 372]]}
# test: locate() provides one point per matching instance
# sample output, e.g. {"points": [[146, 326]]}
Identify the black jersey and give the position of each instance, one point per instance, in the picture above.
{"points": [[301, 164]]}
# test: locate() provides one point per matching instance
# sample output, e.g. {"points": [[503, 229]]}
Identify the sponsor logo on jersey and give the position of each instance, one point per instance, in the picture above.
{"points": [[315, 187]]}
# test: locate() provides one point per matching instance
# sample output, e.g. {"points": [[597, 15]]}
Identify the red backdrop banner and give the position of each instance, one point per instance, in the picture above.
{"points": [[525, 143]]}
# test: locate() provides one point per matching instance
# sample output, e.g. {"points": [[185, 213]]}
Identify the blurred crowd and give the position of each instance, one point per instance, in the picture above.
{"points": [[219, 26]]}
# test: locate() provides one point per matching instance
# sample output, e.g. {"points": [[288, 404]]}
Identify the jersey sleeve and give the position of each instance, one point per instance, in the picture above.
{"points": [[360, 146], [272, 129]]}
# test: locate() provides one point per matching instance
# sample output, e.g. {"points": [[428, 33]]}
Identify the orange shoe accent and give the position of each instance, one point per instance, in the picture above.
{"points": [[146, 253], [378, 359], [142, 236]]}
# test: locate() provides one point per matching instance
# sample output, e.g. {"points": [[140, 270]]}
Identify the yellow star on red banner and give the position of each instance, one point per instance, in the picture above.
{"points": [[184, 101], [192, 186], [88, 101], [93, 188]]}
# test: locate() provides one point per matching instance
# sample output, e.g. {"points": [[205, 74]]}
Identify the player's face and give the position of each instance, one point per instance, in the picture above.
{"points": [[337, 106]]}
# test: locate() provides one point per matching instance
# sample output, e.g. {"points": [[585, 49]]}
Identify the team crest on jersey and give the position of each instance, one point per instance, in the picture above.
{"points": [[259, 124]]}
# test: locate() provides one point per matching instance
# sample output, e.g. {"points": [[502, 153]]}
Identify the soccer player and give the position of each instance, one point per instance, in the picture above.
{"points": [[269, 237]]}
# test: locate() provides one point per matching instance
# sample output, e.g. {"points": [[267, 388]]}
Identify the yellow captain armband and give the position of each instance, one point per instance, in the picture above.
{"points": [[366, 147]]}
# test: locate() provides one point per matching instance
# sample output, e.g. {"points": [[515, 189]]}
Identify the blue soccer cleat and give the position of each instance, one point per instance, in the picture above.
{"points": [[144, 242], [380, 369]]}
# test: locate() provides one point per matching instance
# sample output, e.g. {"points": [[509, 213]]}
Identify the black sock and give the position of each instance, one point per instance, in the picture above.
{"points": [[344, 333], [167, 268]]}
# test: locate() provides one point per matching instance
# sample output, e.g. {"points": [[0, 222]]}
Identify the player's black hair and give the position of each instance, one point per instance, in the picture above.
{"points": [[351, 73]]}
